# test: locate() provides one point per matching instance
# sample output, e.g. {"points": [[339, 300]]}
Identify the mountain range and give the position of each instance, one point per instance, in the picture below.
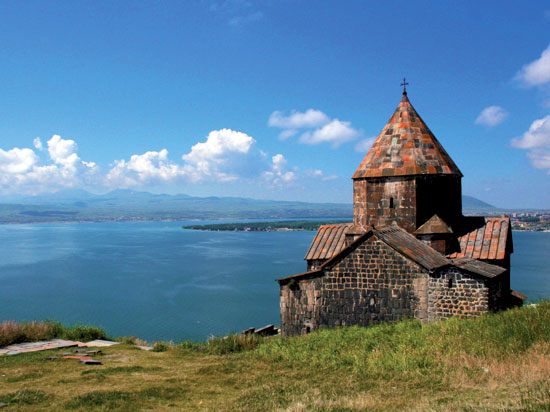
{"points": [[126, 205]]}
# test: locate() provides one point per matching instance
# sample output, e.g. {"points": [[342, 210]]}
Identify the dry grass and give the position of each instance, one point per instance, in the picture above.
{"points": [[420, 370], [177, 380]]}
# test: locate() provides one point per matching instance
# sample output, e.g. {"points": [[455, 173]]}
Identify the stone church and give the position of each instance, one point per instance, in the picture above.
{"points": [[409, 251]]}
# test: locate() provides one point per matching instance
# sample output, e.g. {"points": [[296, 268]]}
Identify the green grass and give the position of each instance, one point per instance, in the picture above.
{"points": [[17, 332], [410, 349], [496, 363]]}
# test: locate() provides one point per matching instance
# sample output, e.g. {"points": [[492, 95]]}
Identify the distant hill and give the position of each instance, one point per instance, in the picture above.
{"points": [[472, 203], [126, 205]]}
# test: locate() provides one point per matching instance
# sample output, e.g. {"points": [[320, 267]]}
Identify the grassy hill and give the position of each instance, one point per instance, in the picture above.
{"points": [[498, 362], [127, 205]]}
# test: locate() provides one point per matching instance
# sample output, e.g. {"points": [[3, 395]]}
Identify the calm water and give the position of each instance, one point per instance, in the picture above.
{"points": [[157, 281]]}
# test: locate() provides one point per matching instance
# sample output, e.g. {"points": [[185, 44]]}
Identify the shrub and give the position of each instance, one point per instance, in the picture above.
{"points": [[160, 346]]}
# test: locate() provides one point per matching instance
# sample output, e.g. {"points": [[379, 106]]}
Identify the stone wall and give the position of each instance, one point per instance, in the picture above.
{"points": [[380, 201], [372, 283], [452, 292], [300, 302], [408, 200]]}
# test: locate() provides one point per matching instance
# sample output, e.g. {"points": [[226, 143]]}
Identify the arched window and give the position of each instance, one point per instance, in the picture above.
{"points": [[391, 202]]}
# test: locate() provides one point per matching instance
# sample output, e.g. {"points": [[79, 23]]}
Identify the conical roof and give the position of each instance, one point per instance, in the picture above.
{"points": [[406, 147]]}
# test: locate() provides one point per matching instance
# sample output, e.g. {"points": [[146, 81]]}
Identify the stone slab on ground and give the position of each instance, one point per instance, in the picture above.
{"points": [[36, 346], [98, 343]]}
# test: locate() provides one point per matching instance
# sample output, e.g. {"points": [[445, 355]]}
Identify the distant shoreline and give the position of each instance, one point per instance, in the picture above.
{"points": [[277, 226]]}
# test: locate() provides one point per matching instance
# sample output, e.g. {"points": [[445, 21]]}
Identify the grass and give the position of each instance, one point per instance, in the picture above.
{"points": [[496, 363], [17, 332]]}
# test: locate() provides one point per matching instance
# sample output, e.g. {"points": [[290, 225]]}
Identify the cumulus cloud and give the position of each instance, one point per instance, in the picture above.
{"points": [[17, 161], [492, 116], [297, 120], [364, 145], [279, 174], [37, 143], [537, 136], [325, 129], [21, 170], [537, 72], [336, 133], [537, 141], [142, 169], [223, 156]]}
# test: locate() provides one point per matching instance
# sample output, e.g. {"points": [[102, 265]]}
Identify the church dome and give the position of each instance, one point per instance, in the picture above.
{"points": [[405, 147]]}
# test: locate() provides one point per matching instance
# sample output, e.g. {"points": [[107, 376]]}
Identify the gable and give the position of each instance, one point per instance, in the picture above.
{"points": [[485, 238]]}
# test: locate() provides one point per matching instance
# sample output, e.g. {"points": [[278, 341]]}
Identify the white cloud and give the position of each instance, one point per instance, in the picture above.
{"points": [[21, 171], [279, 175], [364, 145], [326, 130], [285, 134], [336, 132], [225, 155], [537, 140], [63, 151], [222, 156], [492, 116], [538, 135], [297, 120], [319, 174], [540, 159], [17, 161], [537, 72], [37, 143], [142, 169]]}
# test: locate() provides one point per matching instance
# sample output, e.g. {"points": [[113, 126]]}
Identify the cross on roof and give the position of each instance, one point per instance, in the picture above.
{"points": [[404, 84]]}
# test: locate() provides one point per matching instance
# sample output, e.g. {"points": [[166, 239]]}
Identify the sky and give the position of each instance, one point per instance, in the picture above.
{"points": [[269, 99]]}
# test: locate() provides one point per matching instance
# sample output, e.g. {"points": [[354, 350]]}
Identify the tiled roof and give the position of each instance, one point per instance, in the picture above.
{"points": [[329, 243], [407, 244], [406, 147], [477, 266], [434, 225], [329, 240], [485, 238]]}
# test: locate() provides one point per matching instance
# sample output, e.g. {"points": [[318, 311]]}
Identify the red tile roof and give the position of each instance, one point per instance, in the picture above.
{"points": [[406, 147], [487, 240], [329, 240]]}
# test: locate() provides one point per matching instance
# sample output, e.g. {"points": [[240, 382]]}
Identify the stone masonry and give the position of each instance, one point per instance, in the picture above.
{"points": [[409, 252]]}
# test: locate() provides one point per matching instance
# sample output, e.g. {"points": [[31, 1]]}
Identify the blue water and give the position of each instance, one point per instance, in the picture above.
{"points": [[157, 281]]}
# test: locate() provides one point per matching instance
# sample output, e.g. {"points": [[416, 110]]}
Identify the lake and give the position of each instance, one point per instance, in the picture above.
{"points": [[157, 281]]}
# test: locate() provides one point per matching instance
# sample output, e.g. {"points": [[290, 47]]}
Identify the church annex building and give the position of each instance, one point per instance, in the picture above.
{"points": [[409, 251]]}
